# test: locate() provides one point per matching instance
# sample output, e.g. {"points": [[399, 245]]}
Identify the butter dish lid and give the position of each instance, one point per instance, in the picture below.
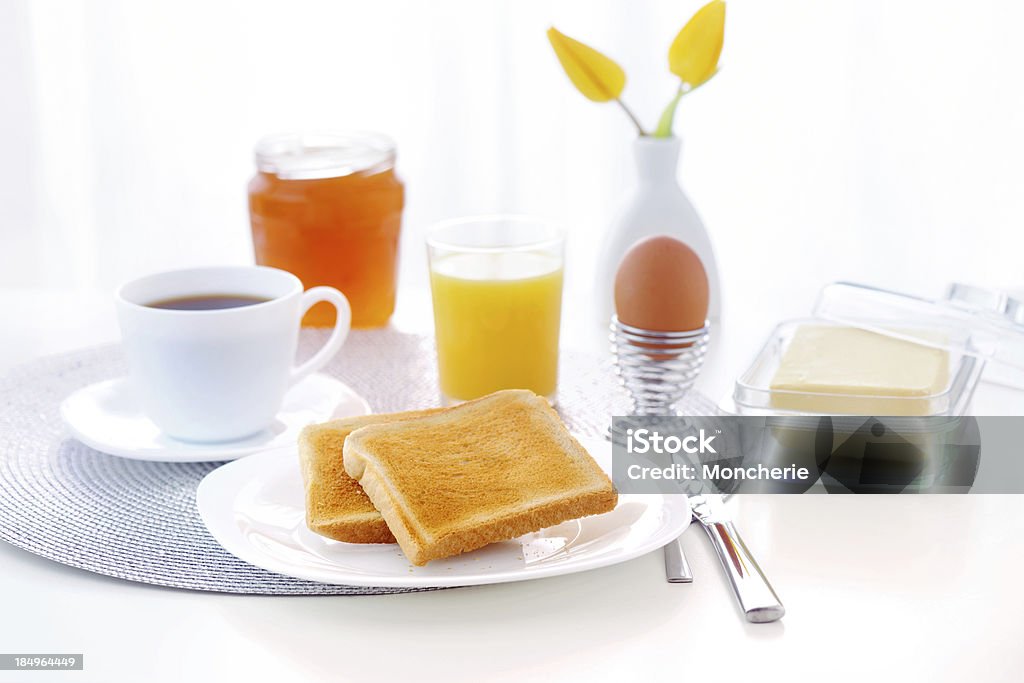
{"points": [[983, 323]]}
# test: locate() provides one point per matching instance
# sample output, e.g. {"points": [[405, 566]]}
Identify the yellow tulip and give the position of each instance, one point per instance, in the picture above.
{"points": [[598, 77], [694, 53]]}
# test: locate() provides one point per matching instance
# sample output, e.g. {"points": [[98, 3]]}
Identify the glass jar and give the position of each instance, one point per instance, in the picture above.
{"points": [[328, 208]]}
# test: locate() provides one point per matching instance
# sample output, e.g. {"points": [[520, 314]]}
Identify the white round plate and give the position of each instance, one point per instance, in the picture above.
{"points": [[105, 416], [255, 509]]}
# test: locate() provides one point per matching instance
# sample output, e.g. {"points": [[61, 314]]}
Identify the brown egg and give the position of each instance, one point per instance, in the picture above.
{"points": [[661, 285]]}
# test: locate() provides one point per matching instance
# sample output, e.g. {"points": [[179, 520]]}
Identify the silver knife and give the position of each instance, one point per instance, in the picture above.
{"points": [[755, 595]]}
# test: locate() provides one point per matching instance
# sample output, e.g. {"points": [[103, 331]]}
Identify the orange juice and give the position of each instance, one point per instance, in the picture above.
{"points": [[497, 317]]}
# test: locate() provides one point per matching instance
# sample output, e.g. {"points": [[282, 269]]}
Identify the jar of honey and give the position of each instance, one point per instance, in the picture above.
{"points": [[328, 208]]}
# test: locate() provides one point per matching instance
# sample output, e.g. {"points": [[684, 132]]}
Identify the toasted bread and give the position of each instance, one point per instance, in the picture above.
{"points": [[336, 506], [480, 472]]}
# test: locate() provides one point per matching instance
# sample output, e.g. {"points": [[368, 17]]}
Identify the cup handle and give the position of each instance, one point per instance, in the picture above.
{"points": [[341, 327]]}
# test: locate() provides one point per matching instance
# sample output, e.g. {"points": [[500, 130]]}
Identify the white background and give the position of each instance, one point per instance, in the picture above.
{"points": [[875, 140], [870, 140]]}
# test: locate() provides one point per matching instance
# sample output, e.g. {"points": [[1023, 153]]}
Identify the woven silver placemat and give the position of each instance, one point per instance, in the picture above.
{"points": [[138, 521]]}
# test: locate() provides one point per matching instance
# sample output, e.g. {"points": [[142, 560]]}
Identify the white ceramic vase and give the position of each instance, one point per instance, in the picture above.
{"points": [[657, 206]]}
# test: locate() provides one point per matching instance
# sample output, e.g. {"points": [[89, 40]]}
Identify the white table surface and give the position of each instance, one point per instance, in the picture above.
{"points": [[880, 588]]}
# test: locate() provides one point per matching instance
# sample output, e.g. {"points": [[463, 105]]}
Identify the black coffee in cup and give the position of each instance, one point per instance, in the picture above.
{"points": [[207, 302]]}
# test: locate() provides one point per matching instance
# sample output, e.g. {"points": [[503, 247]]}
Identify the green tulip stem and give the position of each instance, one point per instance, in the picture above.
{"points": [[632, 117], [668, 116]]}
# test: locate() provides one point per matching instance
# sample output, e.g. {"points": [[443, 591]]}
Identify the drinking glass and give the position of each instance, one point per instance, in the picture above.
{"points": [[496, 283]]}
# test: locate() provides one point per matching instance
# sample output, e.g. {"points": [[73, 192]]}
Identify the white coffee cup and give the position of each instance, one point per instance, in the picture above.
{"points": [[220, 375]]}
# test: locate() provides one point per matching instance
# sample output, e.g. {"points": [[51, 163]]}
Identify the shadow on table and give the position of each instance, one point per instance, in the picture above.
{"points": [[481, 632]]}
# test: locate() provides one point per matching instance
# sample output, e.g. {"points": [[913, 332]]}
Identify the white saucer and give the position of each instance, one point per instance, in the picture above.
{"points": [[105, 416], [255, 509]]}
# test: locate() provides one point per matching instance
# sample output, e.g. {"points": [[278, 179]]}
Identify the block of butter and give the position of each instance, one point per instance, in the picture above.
{"points": [[845, 370]]}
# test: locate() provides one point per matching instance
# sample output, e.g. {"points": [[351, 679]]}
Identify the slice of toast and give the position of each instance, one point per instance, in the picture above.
{"points": [[483, 471], [336, 506]]}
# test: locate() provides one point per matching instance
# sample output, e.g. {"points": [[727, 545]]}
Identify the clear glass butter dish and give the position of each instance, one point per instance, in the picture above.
{"points": [[869, 351]]}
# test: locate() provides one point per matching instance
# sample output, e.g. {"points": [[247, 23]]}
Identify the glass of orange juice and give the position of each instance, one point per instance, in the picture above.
{"points": [[496, 283]]}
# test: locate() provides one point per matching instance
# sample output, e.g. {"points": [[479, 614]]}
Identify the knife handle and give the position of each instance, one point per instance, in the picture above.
{"points": [[677, 569], [758, 601]]}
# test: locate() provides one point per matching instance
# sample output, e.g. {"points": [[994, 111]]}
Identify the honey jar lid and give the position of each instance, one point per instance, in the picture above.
{"points": [[306, 156]]}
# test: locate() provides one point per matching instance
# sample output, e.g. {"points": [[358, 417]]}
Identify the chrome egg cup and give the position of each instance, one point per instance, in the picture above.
{"points": [[657, 369]]}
